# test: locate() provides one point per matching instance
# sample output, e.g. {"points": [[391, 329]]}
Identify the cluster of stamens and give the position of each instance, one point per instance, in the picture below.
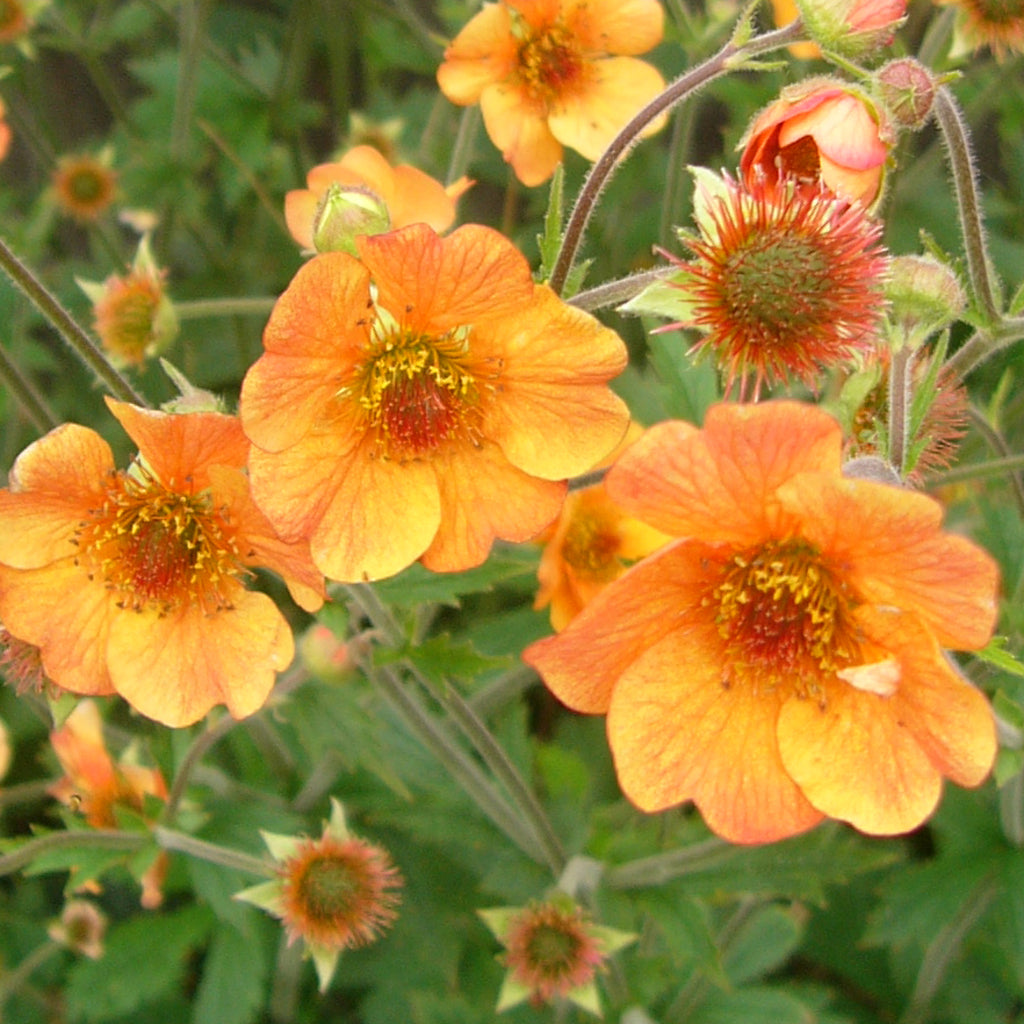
{"points": [[592, 544], [160, 548], [785, 616], [549, 62]]}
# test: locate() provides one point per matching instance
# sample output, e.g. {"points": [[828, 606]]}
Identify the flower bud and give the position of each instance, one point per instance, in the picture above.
{"points": [[852, 27], [925, 296], [907, 88], [344, 213]]}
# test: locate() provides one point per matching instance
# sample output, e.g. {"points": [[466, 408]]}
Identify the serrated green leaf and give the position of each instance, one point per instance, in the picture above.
{"points": [[441, 658], [550, 241], [144, 959], [233, 982]]}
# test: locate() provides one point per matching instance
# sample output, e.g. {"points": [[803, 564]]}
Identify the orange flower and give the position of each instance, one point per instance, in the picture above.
{"points": [[819, 130], [93, 785], [782, 661], [423, 400], [5, 132], [589, 546], [554, 73], [14, 20], [851, 27], [84, 186], [785, 12], [133, 582], [411, 197], [997, 24]]}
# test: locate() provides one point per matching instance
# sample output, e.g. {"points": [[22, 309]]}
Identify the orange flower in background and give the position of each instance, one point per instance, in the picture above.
{"points": [[134, 582], [997, 24], [411, 197], [5, 132], [554, 73], [95, 786], [14, 20], [850, 27], [84, 186], [424, 400], [784, 13], [822, 131], [590, 544], [782, 661]]}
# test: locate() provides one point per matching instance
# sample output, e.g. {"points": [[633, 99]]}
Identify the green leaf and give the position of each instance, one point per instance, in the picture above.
{"points": [[440, 658], [550, 241], [760, 1005], [995, 653], [233, 982], [664, 298], [144, 959], [690, 385], [764, 942]]}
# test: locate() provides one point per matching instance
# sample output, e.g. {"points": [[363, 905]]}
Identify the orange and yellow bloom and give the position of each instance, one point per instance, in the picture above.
{"points": [[409, 195], [819, 131], [424, 400], [782, 661], [554, 73], [84, 186], [134, 582]]}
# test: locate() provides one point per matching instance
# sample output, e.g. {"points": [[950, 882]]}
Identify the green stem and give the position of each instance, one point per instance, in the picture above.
{"points": [[1011, 810], [614, 293], [181, 842], [25, 394], [982, 345], [729, 57], [998, 444], [493, 696], [663, 867], [943, 949], [462, 151], [978, 471], [899, 407], [76, 339], [191, 14], [12, 981], [961, 164], [96, 839], [196, 752], [198, 308]]}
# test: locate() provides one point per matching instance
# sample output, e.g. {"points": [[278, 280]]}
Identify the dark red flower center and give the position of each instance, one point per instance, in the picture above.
{"points": [[550, 63]]}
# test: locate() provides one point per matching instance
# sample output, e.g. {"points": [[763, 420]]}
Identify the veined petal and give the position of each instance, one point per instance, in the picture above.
{"points": [[842, 129], [433, 284], [894, 553], [679, 732], [613, 91], [175, 668], [627, 27], [67, 616], [719, 483], [556, 416], [659, 595], [420, 199], [483, 496], [183, 447], [519, 128], [483, 53]]}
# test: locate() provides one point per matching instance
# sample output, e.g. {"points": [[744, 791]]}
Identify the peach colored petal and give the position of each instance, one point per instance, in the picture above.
{"points": [[519, 128], [361, 165], [174, 668], [893, 553], [719, 484], [659, 595], [300, 206], [537, 13], [434, 284], [484, 497], [420, 199], [860, 185], [68, 460], [183, 447], [81, 750], [678, 733], [554, 416], [627, 27], [613, 92], [483, 53], [843, 130], [59, 610]]}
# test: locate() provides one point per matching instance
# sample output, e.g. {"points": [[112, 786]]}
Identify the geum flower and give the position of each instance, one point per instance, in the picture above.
{"points": [[554, 73], [785, 282], [819, 131], [782, 661], [98, 788], [423, 401], [84, 186], [409, 195], [134, 582]]}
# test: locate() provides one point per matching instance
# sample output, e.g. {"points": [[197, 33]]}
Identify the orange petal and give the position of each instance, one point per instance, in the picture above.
{"points": [[718, 483], [81, 750], [555, 416], [519, 128], [678, 733], [614, 91], [175, 668], [182, 447], [658, 595], [615, 26], [843, 130], [54, 482], [483, 53], [420, 199], [300, 206], [65, 614], [894, 553], [433, 284], [483, 497]]}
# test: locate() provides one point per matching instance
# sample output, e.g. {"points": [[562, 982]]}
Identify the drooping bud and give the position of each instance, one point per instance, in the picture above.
{"points": [[346, 212], [907, 88], [852, 27]]}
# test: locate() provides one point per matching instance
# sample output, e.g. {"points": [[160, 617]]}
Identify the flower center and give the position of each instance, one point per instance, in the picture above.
{"points": [[550, 63], [418, 392], [785, 616], [86, 186], [591, 545], [1001, 13], [328, 888], [552, 950], [159, 548], [125, 320]]}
